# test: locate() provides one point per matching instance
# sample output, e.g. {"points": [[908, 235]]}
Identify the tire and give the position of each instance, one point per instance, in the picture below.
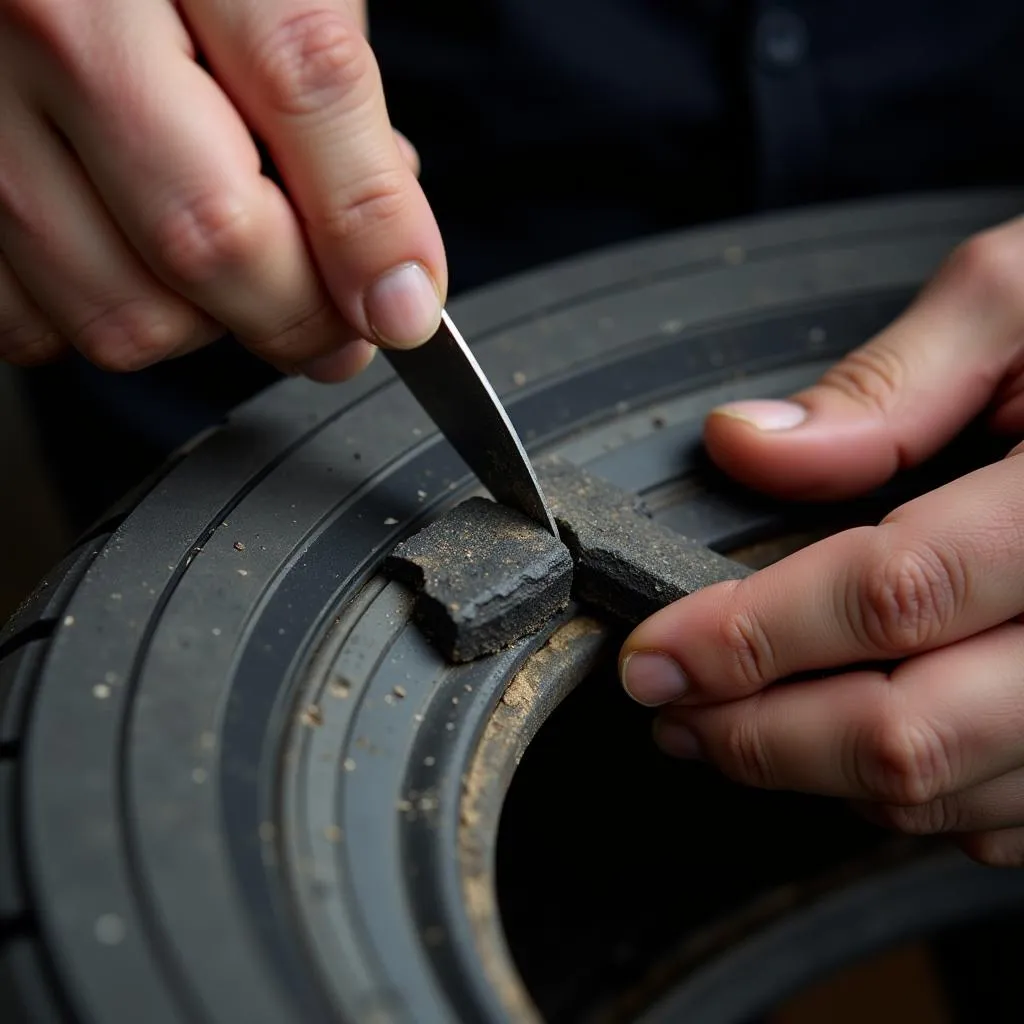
{"points": [[238, 785]]}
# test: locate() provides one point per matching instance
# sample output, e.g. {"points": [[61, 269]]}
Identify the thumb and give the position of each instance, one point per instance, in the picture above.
{"points": [[899, 398], [303, 76]]}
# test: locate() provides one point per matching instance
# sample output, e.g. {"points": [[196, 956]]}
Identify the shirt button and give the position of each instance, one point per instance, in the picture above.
{"points": [[780, 39]]}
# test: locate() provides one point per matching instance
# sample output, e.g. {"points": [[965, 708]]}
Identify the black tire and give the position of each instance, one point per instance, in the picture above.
{"points": [[239, 786]]}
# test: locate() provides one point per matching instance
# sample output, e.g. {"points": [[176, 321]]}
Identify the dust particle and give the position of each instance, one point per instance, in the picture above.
{"points": [[430, 761], [109, 929], [399, 692], [519, 378], [391, 521], [403, 805], [339, 688], [349, 764], [238, 546], [69, 620], [312, 716], [101, 691]]}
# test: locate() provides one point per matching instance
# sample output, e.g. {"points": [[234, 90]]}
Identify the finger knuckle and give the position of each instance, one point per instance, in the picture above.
{"points": [[907, 598], [990, 265], [905, 763], [871, 376], [373, 205], [745, 756], [200, 238], [130, 337], [312, 61], [932, 818]]}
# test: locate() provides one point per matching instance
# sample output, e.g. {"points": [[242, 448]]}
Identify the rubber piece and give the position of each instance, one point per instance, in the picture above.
{"points": [[485, 576], [626, 563]]}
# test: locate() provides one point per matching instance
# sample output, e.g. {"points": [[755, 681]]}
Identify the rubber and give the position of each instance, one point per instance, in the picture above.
{"points": [[485, 576], [626, 564], [217, 806]]}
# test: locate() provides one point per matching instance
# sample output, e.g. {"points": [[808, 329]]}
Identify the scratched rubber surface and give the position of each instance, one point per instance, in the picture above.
{"points": [[213, 714]]}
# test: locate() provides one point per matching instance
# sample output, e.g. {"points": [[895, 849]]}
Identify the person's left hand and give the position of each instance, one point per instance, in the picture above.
{"points": [[937, 743]]}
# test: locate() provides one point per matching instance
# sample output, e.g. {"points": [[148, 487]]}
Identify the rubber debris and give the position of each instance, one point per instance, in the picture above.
{"points": [[486, 576], [626, 563]]}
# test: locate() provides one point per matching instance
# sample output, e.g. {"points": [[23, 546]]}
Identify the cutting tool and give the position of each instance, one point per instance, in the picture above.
{"points": [[447, 381]]}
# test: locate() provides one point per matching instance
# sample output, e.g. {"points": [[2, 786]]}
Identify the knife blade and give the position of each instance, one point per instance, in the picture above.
{"points": [[446, 379]]}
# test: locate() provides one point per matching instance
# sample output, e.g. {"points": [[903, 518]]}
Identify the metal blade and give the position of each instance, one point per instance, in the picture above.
{"points": [[447, 381]]}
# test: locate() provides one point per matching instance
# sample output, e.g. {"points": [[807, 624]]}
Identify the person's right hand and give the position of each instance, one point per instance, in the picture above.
{"points": [[135, 224]]}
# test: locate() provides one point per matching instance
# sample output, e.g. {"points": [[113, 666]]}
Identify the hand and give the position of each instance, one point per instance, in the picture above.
{"points": [[937, 743], [134, 222]]}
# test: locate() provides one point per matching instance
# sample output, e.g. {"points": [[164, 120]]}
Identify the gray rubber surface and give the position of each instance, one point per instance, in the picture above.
{"points": [[230, 767]]}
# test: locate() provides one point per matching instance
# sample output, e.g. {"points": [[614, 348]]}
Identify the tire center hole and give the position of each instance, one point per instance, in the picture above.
{"points": [[616, 866]]}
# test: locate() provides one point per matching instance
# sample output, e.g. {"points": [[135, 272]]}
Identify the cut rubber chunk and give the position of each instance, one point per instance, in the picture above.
{"points": [[486, 576], [626, 563]]}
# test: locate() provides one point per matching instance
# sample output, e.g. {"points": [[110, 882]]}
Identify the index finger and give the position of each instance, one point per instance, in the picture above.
{"points": [[303, 76], [938, 724], [941, 568]]}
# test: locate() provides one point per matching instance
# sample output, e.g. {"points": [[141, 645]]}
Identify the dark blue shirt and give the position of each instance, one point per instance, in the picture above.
{"points": [[550, 126]]}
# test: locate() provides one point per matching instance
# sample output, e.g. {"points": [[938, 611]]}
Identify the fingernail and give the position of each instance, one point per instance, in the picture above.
{"points": [[403, 306], [676, 740], [651, 678], [765, 414]]}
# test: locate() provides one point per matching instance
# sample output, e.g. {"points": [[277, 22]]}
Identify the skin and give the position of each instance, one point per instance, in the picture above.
{"points": [[134, 222], [936, 743], [135, 226]]}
